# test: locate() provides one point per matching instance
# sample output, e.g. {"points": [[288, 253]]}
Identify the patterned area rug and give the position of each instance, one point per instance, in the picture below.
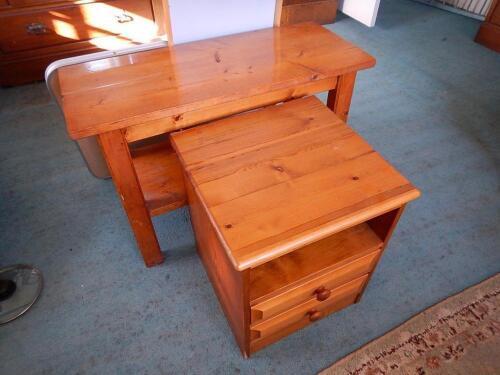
{"points": [[460, 335]]}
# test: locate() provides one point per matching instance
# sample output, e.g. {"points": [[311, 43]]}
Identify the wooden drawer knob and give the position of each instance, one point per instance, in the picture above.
{"points": [[314, 315], [322, 293], [124, 18]]}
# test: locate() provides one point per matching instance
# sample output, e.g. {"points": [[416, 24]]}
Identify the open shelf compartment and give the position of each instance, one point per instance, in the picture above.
{"points": [[160, 175], [322, 256]]}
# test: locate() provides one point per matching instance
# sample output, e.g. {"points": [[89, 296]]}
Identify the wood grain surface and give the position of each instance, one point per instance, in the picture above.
{"points": [[279, 178], [133, 89]]}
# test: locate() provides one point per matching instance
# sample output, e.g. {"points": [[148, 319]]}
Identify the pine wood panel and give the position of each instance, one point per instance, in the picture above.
{"points": [[248, 168], [176, 122], [160, 175], [298, 317], [230, 285], [339, 99], [338, 249], [319, 11], [384, 225], [128, 90], [302, 290]]}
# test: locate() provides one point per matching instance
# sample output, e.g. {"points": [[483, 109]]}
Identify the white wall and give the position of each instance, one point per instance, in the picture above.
{"points": [[202, 19], [365, 11]]}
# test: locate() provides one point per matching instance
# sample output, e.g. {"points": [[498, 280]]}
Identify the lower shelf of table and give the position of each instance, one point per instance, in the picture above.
{"points": [[160, 176]]}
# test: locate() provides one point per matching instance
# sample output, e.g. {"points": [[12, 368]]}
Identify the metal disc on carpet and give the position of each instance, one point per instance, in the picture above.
{"points": [[20, 287]]}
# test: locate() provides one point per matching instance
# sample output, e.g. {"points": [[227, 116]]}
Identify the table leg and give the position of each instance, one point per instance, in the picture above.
{"points": [[339, 99], [117, 154]]}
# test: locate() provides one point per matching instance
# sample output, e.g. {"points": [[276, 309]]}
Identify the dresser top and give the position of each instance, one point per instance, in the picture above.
{"points": [[279, 178], [122, 91]]}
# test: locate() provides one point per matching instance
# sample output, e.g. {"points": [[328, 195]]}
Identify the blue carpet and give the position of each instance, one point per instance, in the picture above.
{"points": [[431, 106]]}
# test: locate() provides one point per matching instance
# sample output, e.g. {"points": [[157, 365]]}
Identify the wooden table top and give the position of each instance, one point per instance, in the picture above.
{"points": [[276, 179], [127, 90]]}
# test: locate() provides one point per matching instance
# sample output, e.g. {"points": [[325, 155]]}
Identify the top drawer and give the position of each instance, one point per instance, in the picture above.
{"points": [[131, 19], [319, 288]]}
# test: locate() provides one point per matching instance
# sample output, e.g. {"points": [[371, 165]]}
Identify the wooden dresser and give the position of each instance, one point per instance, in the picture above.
{"points": [[34, 33], [319, 11], [489, 32]]}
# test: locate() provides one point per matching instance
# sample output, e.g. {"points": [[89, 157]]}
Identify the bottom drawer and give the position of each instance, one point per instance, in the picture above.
{"points": [[306, 313]]}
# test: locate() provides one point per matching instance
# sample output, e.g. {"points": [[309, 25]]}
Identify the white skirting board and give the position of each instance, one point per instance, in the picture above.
{"points": [[471, 8]]}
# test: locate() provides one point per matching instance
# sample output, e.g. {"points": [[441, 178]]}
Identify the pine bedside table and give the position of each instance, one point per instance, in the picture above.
{"points": [[291, 210]]}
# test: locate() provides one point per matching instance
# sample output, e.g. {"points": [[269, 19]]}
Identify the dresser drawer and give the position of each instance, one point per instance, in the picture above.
{"points": [[309, 311], [131, 19], [318, 288], [29, 3]]}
